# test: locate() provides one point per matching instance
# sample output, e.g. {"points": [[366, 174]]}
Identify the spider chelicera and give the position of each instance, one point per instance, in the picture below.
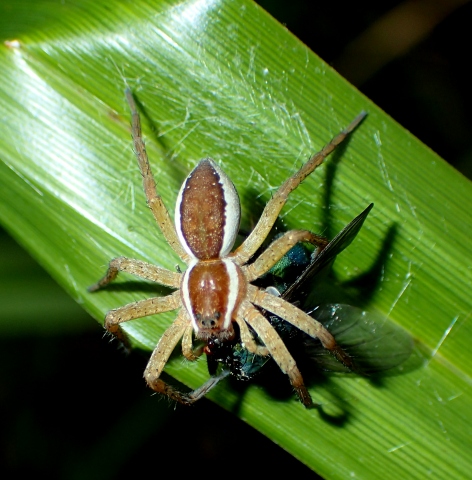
{"points": [[216, 290]]}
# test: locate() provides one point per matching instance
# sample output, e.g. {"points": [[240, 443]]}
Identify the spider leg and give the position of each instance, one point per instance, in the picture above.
{"points": [[278, 248], [154, 200], [299, 319], [248, 340], [161, 355], [271, 211], [140, 309], [189, 352], [140, 269], [277, 349]]}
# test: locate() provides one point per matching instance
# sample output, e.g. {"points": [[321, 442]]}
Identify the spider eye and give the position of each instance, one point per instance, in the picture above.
{"points": [[208, 321]]}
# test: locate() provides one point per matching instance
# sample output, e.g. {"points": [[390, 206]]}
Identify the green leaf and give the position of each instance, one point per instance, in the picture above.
{"points": [[221, 78]]}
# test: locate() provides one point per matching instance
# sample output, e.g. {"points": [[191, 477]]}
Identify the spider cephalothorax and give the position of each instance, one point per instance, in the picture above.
{"points": [[216, 291]]}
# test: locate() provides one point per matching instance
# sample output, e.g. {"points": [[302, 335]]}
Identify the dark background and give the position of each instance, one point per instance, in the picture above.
{"points": [[74, 406]]}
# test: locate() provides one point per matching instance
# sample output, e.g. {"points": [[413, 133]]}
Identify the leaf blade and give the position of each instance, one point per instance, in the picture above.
{"points": [[71, 194]]}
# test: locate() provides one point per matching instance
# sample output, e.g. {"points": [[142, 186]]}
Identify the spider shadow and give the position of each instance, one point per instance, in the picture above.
{"points": [[362, 288], [140, 286]]}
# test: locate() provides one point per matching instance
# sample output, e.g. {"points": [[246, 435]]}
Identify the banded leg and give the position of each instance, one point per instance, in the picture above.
{"points": [[154, 200], [139, 269], [299, 319], [271, 211], [278, 248], [277, 349]]}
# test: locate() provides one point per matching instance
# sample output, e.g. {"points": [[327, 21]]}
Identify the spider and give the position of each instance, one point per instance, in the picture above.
{"points": [[216, 290]]}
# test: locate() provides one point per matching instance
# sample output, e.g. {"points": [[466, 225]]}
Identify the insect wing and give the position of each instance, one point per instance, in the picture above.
{"points": [[341, 241], [374, 343]]}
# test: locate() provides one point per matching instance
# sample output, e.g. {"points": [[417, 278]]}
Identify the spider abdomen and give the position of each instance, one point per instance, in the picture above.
{"points": [[211, 292], [207, 212]]}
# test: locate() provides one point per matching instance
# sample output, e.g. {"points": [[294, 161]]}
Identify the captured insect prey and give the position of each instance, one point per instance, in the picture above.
{"points": [[372, 343], [217, 301]]}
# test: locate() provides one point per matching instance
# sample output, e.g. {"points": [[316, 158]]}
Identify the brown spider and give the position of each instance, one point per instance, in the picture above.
{"points": [[215, 291]]}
